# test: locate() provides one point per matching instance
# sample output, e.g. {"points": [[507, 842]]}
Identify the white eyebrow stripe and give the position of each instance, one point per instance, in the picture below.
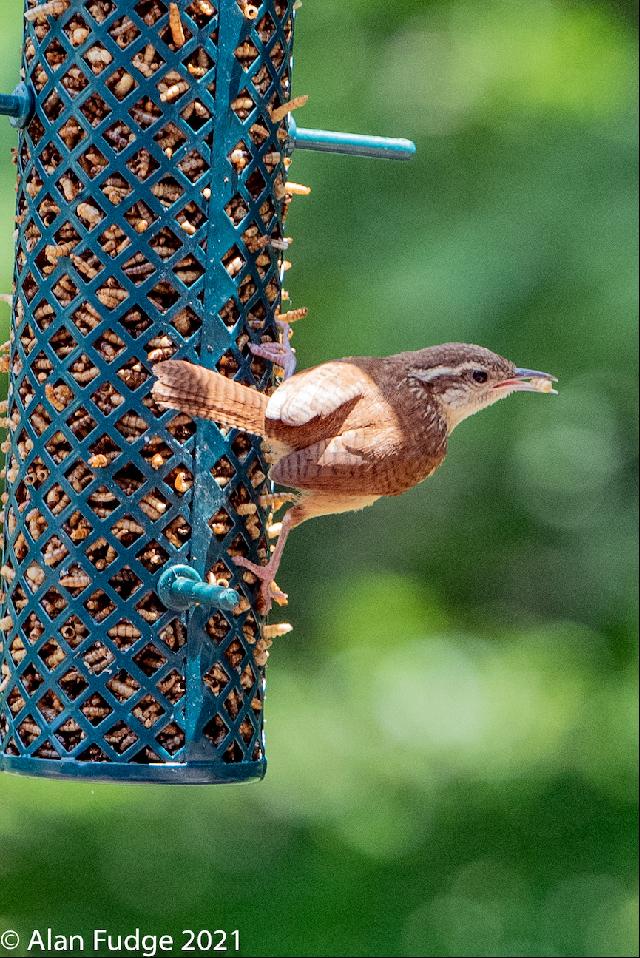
{"points": [[427, 375]]}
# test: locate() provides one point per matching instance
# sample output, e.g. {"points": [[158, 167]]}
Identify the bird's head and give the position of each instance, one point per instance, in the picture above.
{"points": [[462, 379]]}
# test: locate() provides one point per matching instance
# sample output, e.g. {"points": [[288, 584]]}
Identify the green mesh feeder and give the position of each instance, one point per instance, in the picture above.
{"points": [[151, 201]]}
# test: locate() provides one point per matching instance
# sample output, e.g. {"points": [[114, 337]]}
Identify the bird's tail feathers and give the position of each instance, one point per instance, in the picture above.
{"points": [[205, 394]]}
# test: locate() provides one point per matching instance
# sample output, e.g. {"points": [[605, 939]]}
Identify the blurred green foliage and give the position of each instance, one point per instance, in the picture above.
{"points": [[451, 726]]}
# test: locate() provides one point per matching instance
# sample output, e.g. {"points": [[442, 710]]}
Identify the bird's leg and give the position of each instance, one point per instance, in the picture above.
{"points": [[267, 573], [280, 353], [308, 506]]}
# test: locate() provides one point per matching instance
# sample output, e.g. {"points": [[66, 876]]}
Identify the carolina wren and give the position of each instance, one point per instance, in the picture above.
{"points": [[351, 430]]}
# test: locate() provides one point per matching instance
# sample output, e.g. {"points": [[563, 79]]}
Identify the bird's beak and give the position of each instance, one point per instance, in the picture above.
{"points": [[530, 381]]}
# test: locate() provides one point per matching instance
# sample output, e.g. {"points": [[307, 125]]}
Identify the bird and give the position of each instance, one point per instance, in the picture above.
{"points": [[349, 431]]}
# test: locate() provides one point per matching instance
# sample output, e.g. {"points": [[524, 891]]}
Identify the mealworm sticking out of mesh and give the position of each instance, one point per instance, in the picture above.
{"points": [[279, 113], [293, 315], [285, 191], [52, 8]]}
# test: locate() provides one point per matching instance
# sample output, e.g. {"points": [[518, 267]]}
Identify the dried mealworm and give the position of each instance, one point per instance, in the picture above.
{"points": [[52, 8], [171, 93], [89, 214], [271, 632], [249, 10], [279, 113], [175, 25]]}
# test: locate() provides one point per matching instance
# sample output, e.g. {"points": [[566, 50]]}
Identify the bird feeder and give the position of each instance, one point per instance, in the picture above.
{"points": [[153, 145]]}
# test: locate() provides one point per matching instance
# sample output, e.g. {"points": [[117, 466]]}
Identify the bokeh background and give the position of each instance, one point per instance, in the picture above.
{"points": [[451, 725]]}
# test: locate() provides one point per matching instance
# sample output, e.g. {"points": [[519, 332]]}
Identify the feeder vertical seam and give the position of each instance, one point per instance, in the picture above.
{"points": [[209, 443]]}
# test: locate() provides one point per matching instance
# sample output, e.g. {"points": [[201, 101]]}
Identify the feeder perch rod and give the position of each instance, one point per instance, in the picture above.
{"points": [[181, 587], [353, 144], [18, 105]]}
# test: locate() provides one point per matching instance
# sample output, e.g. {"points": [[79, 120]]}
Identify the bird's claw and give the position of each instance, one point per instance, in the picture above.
{"points": [[281, 354], [269, 591]]}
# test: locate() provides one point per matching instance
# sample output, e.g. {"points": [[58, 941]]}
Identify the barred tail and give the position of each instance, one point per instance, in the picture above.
{"points": [[205, 394]]}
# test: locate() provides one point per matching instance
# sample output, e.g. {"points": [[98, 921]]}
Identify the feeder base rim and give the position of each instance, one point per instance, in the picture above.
{"points": [[171, 773]]}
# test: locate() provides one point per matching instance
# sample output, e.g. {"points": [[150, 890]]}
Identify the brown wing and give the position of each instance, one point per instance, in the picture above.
{"points": [[371, 460], [314, 404]]}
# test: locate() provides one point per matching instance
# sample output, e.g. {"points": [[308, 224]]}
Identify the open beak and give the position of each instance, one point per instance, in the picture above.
{"points": [[530, 381]]}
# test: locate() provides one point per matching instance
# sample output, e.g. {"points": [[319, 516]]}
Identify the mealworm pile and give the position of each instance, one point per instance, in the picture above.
{"points": [[123, 197]]}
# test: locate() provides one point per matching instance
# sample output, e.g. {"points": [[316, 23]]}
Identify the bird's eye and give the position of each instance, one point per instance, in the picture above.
{"points": [[479, 376]]}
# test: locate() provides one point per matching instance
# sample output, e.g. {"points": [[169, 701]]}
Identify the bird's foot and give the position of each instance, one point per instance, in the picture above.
{"points": [[278, 354], [281, 354], [269, 591]]}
